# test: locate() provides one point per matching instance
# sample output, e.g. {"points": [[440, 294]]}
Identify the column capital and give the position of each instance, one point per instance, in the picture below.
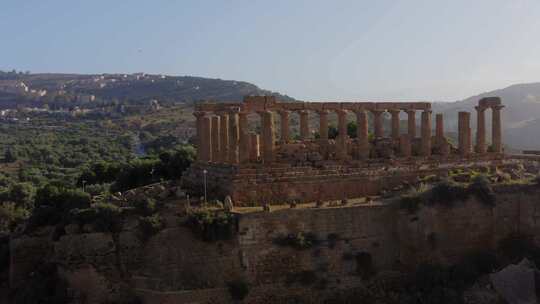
{"points": [[377, 111], [480, 108], [410, 111], [392, 111], [341, 111], [427, 111], [497, 107]]}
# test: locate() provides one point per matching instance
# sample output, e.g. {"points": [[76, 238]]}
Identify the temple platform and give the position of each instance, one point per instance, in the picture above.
{"points": [[259, 184]]}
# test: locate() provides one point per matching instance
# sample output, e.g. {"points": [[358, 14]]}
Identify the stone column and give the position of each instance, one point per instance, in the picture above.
{"points": [[233, 137], [464, 132], [480, 130], [304, 124], [243, 150], [323, 124], [411, 124], [254, 147], [199, 115], [496, 128], [405, 145], [439, 128], [395, 123], [426, 133], [215, 139], [284, 114], [268, 137], [224, 137], [362, 134], [377, 123], [206, 139], [342, 134]]}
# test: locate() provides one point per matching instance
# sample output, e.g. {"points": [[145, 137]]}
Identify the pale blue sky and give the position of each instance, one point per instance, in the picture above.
{"points": [[312, 50]]}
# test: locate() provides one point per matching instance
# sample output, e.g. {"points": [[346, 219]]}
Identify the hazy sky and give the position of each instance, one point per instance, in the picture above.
{"points": [[318, 50]]}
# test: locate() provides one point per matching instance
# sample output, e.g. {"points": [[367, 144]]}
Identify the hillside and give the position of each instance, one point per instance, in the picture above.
{"points": [[521, 117], [36, 89]]}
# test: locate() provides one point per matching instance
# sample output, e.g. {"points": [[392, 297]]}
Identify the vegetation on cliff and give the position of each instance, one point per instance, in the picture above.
{"points": [[448, 191]]}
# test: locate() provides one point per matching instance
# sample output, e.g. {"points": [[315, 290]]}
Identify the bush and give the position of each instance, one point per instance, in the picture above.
{"points": [[412, 200], [212, 225], [150, 225], [238, 289], [299, 241], [109, 217], [447, 192], [482, 189], [53, 204], [105, 217], [144, 205], [11, 215]]}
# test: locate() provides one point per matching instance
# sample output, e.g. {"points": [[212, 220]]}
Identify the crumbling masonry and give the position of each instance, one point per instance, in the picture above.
{"points": [[261, 167]]}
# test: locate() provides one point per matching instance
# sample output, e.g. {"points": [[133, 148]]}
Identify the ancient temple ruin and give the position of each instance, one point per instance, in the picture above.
{"points": [[261, 166]]}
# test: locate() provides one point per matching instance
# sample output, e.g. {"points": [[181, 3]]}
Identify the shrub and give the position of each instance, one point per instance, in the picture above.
{"points": [[98, 189], [412, 200], [150, 225], [212, 225], [299, 241], [144, 205], [105, 217], [11, 215], [482, 189], [109, 217], [238, 289], [447, 192]]}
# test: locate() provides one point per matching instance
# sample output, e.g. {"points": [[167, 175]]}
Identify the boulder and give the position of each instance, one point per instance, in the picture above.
{"points": [[516, 283]]}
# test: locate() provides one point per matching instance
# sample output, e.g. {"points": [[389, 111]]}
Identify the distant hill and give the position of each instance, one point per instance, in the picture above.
{"points": [[124, 87], [521, 116]]}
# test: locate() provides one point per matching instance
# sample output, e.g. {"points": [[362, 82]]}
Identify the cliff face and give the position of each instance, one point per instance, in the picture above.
{"points": [[307, 254]]}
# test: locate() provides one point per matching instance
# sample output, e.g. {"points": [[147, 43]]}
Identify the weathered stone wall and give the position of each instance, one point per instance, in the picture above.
{"points": [[255, 185], [340, 232], [176, 267], [175, 259], [444, 234]]}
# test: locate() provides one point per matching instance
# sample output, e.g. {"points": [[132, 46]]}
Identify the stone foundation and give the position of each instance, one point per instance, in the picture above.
{"points": [[279, 183]]}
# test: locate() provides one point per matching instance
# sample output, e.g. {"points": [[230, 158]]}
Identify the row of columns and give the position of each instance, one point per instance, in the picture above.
{"points": [[225, 138]]}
